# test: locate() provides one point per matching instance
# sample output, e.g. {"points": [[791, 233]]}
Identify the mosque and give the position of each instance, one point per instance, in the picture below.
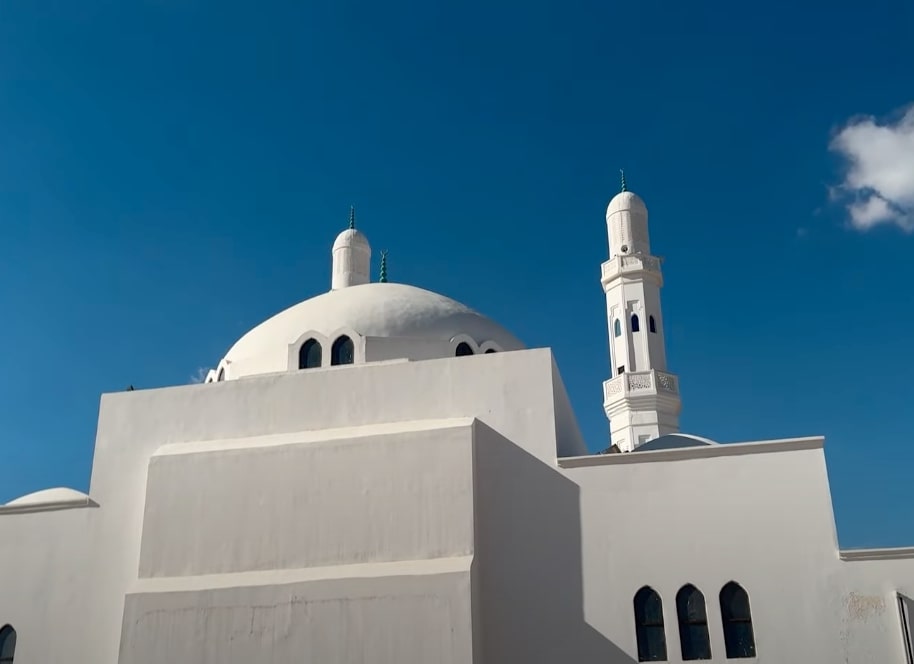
{"points": [[381, 475]]}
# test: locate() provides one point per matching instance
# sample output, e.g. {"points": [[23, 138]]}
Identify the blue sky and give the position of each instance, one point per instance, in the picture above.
{"points": [[174, 172]]}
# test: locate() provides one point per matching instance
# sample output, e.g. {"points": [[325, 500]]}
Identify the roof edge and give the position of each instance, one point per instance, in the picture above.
{"points": [[705, 452]]}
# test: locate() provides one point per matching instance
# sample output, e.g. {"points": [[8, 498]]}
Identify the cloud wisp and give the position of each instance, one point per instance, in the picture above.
{"points": [[878, 186], [199, 375]]}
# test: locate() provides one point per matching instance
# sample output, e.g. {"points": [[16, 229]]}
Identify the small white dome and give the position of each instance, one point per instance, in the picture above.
{"points": [[368, 310], [626, 201], [55, 496], [351, 238]]}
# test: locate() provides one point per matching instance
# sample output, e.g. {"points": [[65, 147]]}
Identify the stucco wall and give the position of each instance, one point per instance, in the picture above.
{"points": [[403, 495], [863, 599], [399, 619], [71, 570], [45, 583], [759, 514]]}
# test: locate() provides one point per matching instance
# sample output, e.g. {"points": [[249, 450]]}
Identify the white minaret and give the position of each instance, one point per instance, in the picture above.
{"points": [[641, 399], [351, 257]]}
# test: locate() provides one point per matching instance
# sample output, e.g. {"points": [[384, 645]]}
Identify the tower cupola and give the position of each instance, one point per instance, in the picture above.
{"points": [[351, 257]]}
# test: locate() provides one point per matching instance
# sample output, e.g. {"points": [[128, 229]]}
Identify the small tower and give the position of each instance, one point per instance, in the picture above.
{"points": [[351, 257], [641, 399]]}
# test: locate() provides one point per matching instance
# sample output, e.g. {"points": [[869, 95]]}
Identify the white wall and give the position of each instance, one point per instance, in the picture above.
{"points": [[80, 564], [759, 514], [327, 514]]}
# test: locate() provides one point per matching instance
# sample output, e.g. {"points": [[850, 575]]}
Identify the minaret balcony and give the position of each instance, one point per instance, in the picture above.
{"points": [[640, 384], [635, 264]]}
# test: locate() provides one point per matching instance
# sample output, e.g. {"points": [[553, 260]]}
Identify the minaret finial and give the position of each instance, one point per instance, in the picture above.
{"points": [[383, 278], [351, 217], [622, 173]]}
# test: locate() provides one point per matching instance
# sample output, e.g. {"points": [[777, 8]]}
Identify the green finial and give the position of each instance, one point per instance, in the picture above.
{"points": [[351, 217], [622, 173], [383, 278]]}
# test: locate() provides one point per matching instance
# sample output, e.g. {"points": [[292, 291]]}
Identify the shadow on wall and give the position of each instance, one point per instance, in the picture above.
{"points": [[528, 561]]}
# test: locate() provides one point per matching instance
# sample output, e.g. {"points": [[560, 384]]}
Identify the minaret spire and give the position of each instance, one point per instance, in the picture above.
{"points": [[352, 217], [622, 175], [383, 276]]}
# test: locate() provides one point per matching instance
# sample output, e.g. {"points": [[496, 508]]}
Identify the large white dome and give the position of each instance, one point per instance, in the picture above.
{"points": [[387, 321]]}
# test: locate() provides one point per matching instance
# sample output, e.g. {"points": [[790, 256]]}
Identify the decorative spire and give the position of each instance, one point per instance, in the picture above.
{"points": [[622, 173], [383, 278], [351, 217]]}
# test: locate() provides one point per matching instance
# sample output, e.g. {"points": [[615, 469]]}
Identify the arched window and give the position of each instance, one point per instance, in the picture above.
{"points": [[343, 351], [635, 326], [309, 355], [491, 350], [463, 348], [693, 623], [649, 626], [617, 328], [737, 620], [7, 644], [651, 325], [221, 376]]}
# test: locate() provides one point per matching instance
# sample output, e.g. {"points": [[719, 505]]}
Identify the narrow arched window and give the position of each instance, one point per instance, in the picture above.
{"points": [[693, 623], [221, 375], [649, 626], [309, 355], [463, 348], [7, 644], [491, 350], [342, 351], [737, 620], [651, 325], [635, 326], [617, 328]]}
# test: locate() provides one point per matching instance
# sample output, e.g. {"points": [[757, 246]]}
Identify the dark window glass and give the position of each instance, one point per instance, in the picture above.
{"points": [[635, 326], [491, 350], [463, 348], [7, 644], [343, 351], [693, 623], [617, 328], [649, 626], [309, 355], [651, 325], [737, 620], [620, 370], [221, 374]]}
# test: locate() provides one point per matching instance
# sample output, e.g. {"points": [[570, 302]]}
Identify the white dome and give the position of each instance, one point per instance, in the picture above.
{"points": [[350, 238], [369, 310], [626, 201]]}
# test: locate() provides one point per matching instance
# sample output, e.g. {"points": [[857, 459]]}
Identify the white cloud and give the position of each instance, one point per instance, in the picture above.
{"points": [[199, 375], [878, 186]]}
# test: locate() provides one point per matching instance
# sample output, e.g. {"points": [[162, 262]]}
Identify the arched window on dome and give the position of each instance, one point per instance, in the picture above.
{"points": [[7, 644], [342, 351], [635, 326], [491, 350], [651, 325], [693, 623], [221, 375], [463, 348], [649, 626], [309, 355], [617, 328], [737, 620]]}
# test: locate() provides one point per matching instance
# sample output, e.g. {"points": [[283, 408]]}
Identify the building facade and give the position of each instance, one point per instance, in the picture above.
{"points": [[382, 475]]}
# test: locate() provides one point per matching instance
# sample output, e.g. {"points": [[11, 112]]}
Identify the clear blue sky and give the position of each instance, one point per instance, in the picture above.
{"points": [[174, 172]]}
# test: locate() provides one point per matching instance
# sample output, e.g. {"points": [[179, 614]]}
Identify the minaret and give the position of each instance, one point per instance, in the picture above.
{"points": [[641, 399], [351, 257]]}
